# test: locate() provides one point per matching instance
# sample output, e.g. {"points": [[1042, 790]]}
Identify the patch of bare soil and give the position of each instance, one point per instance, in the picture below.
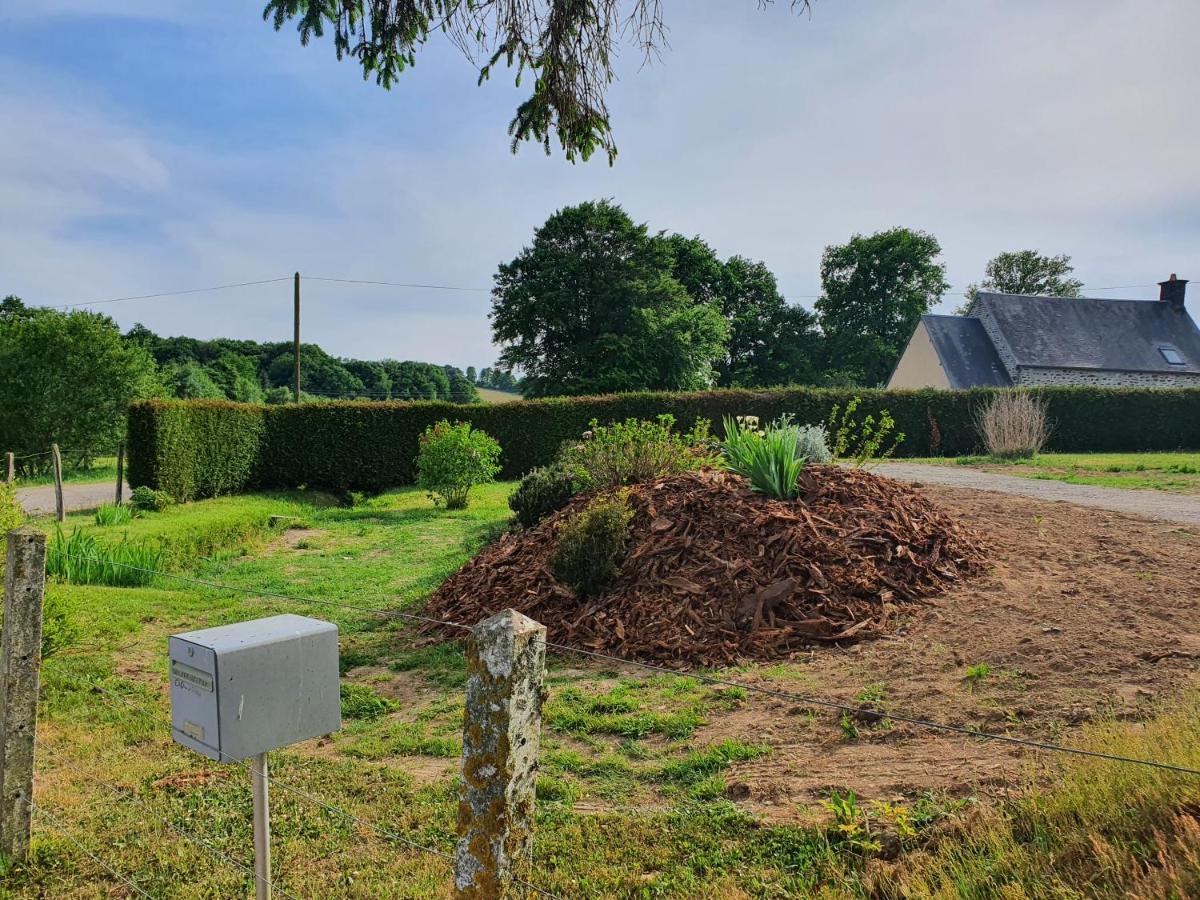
{"points": [[1083, 614]]}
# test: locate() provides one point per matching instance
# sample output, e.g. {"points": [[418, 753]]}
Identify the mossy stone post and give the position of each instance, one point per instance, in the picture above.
{"points": [[506, 662], [20, 659]]}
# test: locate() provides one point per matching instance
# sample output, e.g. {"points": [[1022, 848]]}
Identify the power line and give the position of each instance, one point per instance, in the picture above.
{"points": [[708, 679], [399, 284], [201, 290]]}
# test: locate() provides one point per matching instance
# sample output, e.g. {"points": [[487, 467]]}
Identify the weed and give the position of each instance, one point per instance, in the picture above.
{"points": [[852, 827], [977, 673], [849, 729]]}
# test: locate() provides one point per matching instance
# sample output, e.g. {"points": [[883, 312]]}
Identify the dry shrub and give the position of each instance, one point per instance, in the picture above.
{"points": [[1013, 425]]}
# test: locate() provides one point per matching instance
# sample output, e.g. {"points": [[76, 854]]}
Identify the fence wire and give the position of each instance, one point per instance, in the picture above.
{"points": [[849, 708]]}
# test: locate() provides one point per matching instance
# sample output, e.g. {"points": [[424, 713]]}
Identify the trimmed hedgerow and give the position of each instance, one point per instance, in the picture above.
{"points": [[194, 449], [202, 448]]}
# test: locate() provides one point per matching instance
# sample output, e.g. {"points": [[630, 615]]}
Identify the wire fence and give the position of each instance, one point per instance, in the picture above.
{"points": [[307, 796]]}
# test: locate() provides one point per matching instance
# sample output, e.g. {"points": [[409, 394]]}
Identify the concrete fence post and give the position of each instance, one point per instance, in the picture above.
{"points": [[20, 660], [60, 510], [506, 662], [10, 466]]}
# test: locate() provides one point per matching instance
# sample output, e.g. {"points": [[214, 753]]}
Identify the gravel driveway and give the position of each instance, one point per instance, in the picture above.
{"points": [[39, 501], [1149, 504]]}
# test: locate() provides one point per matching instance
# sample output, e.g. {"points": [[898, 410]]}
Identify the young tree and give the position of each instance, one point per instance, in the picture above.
{"points": [[1026, 272], [591, 306], [565, 46], [873, 291], [67, 379]]}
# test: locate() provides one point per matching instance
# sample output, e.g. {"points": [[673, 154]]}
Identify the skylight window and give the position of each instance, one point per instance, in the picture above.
{"points": [[1171, 355]]}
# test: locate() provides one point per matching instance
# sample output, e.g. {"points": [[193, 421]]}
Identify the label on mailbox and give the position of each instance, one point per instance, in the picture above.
{"points": [[191, 677]]}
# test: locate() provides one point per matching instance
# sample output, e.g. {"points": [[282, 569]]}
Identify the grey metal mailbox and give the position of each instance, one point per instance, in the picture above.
{"points": [[243, 689]]}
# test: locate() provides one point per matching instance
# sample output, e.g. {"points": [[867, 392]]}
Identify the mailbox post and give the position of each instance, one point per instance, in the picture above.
{"points": [[241, 690]]}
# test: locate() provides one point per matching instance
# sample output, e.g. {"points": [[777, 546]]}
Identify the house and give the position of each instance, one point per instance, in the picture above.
{"points": [[1008, 340]]}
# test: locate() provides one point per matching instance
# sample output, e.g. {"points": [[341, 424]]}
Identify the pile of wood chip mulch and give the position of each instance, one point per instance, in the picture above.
{"points": [[717, 574]]}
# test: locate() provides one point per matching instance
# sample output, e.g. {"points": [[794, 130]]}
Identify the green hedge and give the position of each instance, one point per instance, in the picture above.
{"points": [[194, 449], [203, 448]]}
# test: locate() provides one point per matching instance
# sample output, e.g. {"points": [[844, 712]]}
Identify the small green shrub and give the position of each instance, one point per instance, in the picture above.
{"points": [[59, 628], [545, 490], [149, 500], [113, 514], [862, 442], [812, 444], [82, 559], [768, 459], [636, 450], [592, 545], [454, 458]]}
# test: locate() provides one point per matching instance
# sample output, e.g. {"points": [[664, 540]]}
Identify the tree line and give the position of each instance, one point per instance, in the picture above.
{"points": [[600, 304], [67, 377]]}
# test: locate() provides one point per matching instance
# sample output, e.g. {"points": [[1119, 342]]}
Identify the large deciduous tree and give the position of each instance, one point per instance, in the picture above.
{"points": [[565, 47], [874, 289], [592, 306], [67, 379], [1026, 272]]}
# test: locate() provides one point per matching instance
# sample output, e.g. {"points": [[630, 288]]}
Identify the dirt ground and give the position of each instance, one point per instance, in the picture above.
{"points": [[1084, 614]]}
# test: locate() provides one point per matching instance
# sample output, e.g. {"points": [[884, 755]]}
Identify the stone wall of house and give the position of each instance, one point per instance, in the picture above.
{"points": [[980, 312], [1030, 376]]}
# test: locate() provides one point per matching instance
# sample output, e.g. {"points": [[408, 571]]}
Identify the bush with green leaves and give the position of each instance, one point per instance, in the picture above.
{"points": [[767, 458], [591, 545], [545, 490], [862, 441], [636, 450], [454, 458], [148, 500]]}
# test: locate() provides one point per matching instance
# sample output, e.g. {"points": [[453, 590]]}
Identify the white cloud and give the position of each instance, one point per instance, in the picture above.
{"points": [[1068, 127]]}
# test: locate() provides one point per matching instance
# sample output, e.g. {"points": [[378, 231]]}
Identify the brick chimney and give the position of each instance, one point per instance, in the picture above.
{"points": [[1172, 291]]}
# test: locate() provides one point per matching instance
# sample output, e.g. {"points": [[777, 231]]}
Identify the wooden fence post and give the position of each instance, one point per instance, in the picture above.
{"points": [[120, 472], [20, 660], [506, 661], [60, 511], [11, 467]]}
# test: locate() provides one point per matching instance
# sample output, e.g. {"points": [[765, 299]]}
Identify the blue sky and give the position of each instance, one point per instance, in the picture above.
{"points": [[154, 145]]}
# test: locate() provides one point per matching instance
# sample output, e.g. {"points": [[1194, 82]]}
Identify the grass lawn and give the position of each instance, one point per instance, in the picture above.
{"points": [[1175, 472], [630, 800]]}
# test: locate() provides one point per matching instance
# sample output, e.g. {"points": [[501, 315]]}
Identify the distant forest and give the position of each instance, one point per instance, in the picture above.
{"points": [[253, 372]]}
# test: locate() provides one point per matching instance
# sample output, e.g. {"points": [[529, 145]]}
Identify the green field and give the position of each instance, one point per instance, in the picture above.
{"points": [[103, 468], [1175, 472], [630, 799], [491, 395]]}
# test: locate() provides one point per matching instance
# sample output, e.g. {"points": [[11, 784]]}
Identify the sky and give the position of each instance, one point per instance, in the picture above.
{"points": [[163, 145]]}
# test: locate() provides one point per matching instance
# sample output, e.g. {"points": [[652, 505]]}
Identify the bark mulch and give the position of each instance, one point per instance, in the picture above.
{"points": [[716, 573]]}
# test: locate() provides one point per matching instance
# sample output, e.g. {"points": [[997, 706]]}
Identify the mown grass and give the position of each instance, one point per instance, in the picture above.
{"points": [[103, 469], [631, 800], [1174, 472]]}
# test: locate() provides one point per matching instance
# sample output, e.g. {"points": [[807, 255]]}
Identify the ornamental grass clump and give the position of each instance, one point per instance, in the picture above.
{"points": [[454, 458], [1013, 426], [768, 458]]}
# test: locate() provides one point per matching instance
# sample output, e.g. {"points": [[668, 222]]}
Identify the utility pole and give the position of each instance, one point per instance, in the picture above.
{"points": [[296, 294]]}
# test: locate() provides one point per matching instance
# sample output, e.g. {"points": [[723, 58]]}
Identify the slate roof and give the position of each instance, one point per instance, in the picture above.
{"points": [[1092, 333], [966, 352]]}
